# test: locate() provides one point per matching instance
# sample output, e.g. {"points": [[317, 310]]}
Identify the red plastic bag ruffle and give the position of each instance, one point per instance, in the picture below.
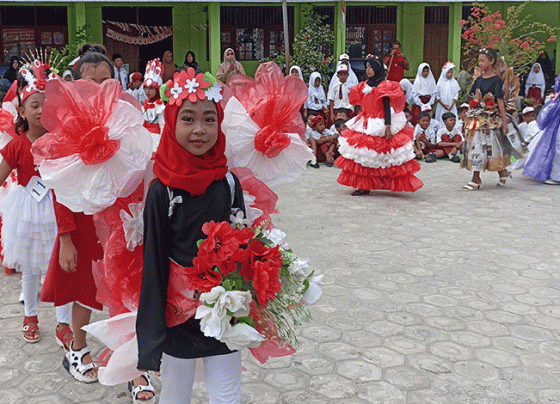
{"points": [[377, 143], [395, 178], [265, 198]]}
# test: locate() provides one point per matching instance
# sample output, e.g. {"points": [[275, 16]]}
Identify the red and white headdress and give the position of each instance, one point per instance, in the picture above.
{"points": [[154, 70], [36, 72]]}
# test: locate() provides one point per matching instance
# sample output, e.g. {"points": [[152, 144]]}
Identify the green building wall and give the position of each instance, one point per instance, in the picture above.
{"points": [[410, 26]]}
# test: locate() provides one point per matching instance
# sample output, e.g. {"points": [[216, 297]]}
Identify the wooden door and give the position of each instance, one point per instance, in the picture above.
{"points": [[435, 46]]}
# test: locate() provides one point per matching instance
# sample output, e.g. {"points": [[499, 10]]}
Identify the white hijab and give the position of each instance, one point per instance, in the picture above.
{"points": [[352, 78], [298, 70], [535, 79], [448, 89], [316, 92], [407, 88], [424, 86]]}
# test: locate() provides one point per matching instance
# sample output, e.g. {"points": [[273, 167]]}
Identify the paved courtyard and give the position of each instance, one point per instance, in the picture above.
{"points": [[440, 296]]}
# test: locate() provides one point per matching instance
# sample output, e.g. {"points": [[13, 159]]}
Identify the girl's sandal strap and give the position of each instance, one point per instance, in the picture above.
{"points": [[32, 329], [471, 186], [137, 389], [64, 337], [73, 364]]}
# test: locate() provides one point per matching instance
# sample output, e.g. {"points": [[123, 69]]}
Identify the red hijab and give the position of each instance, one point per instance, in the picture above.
{"points": [[177, 168]]}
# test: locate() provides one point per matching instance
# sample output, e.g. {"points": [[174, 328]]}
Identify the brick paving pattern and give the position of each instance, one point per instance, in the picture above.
{"points": [[439, 297]]}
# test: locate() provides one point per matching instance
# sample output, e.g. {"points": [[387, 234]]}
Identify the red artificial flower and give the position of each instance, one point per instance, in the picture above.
{"points": [[202, 276], [258, 252], [220, 244], [552, 38], [461, 23], [473, 103], [266, 281], [489, 103], [524, 45]]}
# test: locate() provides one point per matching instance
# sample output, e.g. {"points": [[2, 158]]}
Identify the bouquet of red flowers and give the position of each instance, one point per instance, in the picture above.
{"points": [[253, 287]]}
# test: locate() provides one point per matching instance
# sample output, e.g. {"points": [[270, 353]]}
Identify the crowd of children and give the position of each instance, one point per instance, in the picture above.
{"points": [[379, 127]]}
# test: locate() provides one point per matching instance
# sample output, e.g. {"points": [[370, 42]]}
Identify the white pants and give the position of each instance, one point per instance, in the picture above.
{"points": [[30, 286], [221, 372]]}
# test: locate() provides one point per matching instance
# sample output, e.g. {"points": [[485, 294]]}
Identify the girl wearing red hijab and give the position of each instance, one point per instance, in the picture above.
{"points": [[191, 188]]}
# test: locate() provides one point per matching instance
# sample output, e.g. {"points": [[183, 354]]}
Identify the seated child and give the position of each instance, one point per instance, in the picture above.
{"points": [[449, 137], [340, 125], [529, 127], [462, 111], [425, 139], [408, 116], [322, 141], [341, 113]]}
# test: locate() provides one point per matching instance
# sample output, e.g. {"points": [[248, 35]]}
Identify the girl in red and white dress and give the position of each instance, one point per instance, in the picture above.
{"points": [[376, 149], [153, 107], [29, 223]]}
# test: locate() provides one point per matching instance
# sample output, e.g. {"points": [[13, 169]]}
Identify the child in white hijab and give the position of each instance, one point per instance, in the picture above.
{"points": [[424, 90], [316, 99], [448, 92], [296, 71], [535, 81]]}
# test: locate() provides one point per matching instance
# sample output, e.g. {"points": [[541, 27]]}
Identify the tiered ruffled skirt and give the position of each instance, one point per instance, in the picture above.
{"points": [[369, 161]]}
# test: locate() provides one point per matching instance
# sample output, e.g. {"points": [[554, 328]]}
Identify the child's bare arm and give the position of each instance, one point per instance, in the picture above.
{"points": [[5, 171]]}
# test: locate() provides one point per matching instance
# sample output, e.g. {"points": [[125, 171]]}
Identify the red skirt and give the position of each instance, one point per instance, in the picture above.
{"points": [[62, 287]]}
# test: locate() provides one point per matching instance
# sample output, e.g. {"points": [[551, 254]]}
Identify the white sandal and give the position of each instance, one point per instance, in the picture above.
{"points": [[502, 180], [73, 363], [137, 389], [471, 186]]}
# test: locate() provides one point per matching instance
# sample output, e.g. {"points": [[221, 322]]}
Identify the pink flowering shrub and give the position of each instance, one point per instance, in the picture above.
{"points": [[484, 29]]}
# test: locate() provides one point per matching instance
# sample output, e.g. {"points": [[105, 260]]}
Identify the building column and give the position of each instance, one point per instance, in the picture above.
{"points": [[454, 41], [339, 31], [214, 36], [76, 20]]}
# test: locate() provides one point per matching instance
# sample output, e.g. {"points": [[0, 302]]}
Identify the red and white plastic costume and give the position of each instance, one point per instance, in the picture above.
{"points": [[368, 160]]}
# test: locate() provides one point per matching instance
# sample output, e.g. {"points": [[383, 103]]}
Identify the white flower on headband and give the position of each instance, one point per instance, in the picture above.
{"points": [[176, 90], [191, 85], [214, 93]]}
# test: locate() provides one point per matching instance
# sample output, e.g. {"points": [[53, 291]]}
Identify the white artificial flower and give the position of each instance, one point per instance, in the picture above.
{"points": [[176, 90], [211, 324], [367, 89], [133, 225], [314, 292], [277, 237], [214, 93], [241, 336], [191, 85], [238, 219], [214, 321], [299, 267]]}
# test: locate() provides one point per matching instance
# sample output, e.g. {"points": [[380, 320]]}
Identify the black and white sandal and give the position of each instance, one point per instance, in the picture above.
{"points": [[137, 389], [73, 364]]}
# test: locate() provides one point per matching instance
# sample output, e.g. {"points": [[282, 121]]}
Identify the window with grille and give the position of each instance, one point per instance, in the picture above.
{"points": [[370, 29], [254, 32]]}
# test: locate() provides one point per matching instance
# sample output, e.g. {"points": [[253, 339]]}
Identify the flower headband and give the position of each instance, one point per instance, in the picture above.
{"points": [[36, 75], [449, 65], [187, 85], [493, 53], [154, 70]]}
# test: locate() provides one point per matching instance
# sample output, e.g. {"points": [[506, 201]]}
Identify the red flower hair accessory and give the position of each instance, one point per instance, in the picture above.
{"points": [[187, 85]]}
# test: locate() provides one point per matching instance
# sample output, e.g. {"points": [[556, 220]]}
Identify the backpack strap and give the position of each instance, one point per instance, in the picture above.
{"points": [[231, 182]]}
